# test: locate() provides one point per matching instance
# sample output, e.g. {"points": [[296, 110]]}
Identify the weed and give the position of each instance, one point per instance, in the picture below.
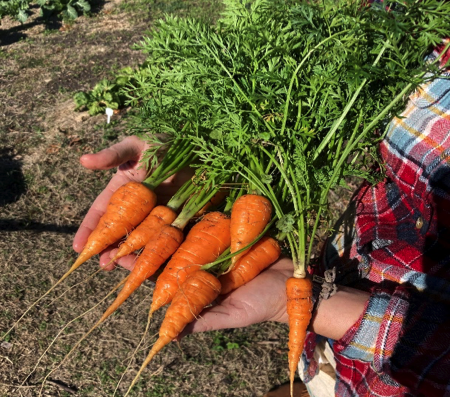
{"points": [[43, 326], [222, 342]]}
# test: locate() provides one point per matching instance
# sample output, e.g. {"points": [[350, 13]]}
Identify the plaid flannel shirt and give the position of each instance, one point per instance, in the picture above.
{"points": [[394, 241]]}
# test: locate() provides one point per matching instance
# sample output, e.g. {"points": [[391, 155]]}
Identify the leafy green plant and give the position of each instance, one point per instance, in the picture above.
{"points": [[291, 96], [105, 94], [69, 9]]}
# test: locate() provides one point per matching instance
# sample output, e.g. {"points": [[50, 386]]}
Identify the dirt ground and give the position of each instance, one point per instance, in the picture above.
{"points": [[44, 194]]}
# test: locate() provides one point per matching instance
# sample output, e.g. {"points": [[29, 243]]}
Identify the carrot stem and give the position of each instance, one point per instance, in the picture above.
{"points": [[179, 156], [181, 195], [195, 203]]}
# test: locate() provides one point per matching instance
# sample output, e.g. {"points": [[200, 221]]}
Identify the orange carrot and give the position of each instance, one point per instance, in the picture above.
{"points": [[249, 216], [155, 253], [265, 252], [299, 310], [146, 231], [203, 244], [128, 206], [198, 291]]}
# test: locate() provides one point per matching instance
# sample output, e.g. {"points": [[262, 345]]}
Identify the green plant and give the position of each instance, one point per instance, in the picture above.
{"points": [[69, 9], [222, 342], [105, 94]]}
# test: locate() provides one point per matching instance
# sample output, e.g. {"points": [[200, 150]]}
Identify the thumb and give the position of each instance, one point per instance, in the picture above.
{"points": [[130, 149]]}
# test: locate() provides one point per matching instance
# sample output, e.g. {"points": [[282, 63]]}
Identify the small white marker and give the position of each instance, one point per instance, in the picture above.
{"points": [[109, 113]]}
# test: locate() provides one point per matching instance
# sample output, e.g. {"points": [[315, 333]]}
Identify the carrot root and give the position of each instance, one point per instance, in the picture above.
{"points": [[265, 252], [249, 216], [146, 231], [198, 291], [128, 206], [299, 310], [156, 252], [203, 244]]}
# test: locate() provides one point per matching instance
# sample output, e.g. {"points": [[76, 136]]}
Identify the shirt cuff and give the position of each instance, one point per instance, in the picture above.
{"points": [[368, 339]]}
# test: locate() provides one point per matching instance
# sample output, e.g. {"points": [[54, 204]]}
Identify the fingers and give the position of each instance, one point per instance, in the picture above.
{"points": [[229, 314], [127, 262], [130, 149]]}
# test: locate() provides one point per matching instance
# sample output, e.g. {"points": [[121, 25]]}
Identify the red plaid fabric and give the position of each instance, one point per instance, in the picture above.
{"points": [[396, 244]]}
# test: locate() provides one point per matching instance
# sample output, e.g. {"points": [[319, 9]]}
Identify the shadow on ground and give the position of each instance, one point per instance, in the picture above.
{"points": [[12, 187], [12, 181]]}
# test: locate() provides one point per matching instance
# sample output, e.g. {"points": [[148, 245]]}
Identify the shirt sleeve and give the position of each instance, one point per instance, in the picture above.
{"points": [[402, 247], [404, 336]]}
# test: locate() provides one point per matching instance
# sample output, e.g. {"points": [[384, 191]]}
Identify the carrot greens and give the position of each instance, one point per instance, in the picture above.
{"points": [[291, 96]]}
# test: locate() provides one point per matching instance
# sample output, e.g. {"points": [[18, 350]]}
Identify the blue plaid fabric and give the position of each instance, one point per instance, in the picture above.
{"points": [[394, 241]]}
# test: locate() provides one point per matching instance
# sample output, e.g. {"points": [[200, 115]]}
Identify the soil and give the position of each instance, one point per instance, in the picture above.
{"points": [[44, 195]]}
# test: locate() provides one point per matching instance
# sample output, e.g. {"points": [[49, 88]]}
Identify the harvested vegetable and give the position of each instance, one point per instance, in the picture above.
{"points": [[160, 248], [156, 252], [198, 291], [146, 231], [127, 208], [265, 252], [203, 244], [299, 310], [249, 216]]}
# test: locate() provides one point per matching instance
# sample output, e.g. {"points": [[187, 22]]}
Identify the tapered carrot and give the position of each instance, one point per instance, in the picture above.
{"points": [[265, 252], [203, 244], [155, 253], [146, 231], [198, 290], [299, 310], [127, 207], [249, 216]]}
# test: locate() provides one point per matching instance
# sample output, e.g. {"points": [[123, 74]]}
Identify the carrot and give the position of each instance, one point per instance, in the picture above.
{"points": [[265, 252], [198, 291], [146, 231], [127, 207], [249, 216], [155, 253], [299, 310], [203, 244]]}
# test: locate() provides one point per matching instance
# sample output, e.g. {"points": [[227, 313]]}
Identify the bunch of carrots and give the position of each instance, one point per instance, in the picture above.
{"points": [[222, 251], [193, 276], [184, 284]]}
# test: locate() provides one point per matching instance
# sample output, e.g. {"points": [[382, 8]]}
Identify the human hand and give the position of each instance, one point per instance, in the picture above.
{"points": [[126, 156], [262, 299]]}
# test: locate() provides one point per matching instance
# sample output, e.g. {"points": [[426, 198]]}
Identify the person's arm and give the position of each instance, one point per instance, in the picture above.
{"points": [[334, 316]]}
